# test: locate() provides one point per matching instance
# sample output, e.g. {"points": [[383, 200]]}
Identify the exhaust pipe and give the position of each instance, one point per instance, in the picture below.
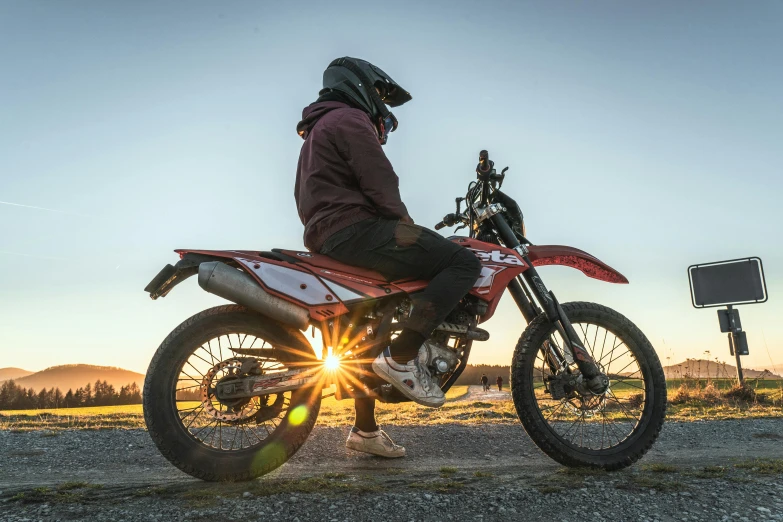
{"points": [[239, 287]]}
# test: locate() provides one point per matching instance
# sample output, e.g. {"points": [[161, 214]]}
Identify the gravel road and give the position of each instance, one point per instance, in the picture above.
{"points": [[476, 393], [697, 471]]}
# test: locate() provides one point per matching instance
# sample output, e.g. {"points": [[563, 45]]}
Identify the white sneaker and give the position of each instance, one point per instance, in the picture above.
{"points": [[374, 442], [412, 380]]}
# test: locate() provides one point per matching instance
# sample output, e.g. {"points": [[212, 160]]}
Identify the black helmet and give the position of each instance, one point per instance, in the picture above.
{"points": [[358, 80]]}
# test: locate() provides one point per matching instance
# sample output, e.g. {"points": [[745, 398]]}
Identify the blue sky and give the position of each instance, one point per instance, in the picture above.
{"points": [[648, 135]]}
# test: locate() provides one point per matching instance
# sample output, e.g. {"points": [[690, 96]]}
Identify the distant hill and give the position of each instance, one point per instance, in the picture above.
{"points": [[702, 368], [75, 376], [12, 373]]}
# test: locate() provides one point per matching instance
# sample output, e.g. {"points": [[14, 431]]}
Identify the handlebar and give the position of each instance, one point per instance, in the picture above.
{"points": [[478, 193], [449, 220]]}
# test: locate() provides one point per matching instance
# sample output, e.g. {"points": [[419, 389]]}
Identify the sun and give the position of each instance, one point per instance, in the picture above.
{"points": [[332, 362]]}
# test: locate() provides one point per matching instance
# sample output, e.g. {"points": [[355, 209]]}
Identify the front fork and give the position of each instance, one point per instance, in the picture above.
{"points": [[576, 353]]}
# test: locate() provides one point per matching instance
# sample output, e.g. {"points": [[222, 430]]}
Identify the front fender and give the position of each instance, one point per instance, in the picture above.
{"points": [[542, 255]]}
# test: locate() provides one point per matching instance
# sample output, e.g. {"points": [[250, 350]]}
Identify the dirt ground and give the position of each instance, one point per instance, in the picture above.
{"points": [[714, 470]]}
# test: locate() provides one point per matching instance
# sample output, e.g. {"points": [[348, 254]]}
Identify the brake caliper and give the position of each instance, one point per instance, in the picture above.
{"points": [[563, 386]]}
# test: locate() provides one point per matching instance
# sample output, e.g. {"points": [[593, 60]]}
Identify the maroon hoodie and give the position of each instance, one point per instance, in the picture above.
{"points": [[343, 175]]}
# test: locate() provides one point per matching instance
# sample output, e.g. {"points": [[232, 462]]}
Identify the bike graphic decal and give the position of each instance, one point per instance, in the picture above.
{"points": [[497, 256], [487, 278], [541, 288], [302, 286], [267, 384]]}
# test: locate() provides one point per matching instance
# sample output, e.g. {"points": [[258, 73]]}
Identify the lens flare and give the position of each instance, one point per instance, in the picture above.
{"points": [[298, 415], [332, 362]]}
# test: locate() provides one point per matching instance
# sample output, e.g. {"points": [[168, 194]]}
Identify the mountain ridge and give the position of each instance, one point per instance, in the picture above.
{"points": [[73, 376], [703, 368], [10, 373]]}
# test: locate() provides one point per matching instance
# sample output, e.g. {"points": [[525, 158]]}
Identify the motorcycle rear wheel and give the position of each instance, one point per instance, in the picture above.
{"points": [[184, 371], [610, 431]]}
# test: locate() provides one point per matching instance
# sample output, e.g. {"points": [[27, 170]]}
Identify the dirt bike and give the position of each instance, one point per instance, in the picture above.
{"points": [[234, 391]]}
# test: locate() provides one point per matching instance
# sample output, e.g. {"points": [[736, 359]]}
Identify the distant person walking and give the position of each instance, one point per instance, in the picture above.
{"points": [[484, 382], [499, 382]]}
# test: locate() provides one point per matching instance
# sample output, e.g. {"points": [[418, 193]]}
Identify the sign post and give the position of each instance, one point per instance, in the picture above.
{"points": [[729, 320], [729, 283]]}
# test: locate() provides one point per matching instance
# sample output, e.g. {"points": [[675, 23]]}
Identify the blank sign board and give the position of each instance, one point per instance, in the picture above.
{"points": [[739, 281]]}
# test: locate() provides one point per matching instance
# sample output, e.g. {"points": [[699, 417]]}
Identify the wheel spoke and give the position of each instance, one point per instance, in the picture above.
{"points": [[603, 345], [209, 349], [620, 371], [625, 383], [196, 413], [614, 347], [191, 378], [206, 361]]}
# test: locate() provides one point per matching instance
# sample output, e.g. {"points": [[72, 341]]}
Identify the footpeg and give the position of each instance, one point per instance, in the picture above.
{"points": [[477, 334], [474, 334]]}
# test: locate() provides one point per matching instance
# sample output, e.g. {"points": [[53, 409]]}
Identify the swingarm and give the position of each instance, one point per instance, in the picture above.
{"points": [[269, 384]]}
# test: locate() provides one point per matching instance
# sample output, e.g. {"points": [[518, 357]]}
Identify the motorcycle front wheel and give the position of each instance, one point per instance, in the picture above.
{"points": [[574, 427], [234, 440]]}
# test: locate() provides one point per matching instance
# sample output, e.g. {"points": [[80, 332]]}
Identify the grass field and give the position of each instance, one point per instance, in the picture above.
{"points": [[724, 384], [699, 403]]}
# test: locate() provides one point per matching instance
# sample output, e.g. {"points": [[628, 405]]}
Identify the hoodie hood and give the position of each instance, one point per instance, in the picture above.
{"points": [[314, 112]]}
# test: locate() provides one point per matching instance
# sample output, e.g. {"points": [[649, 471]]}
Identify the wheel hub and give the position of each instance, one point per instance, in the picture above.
{"points": [[583, 397]]}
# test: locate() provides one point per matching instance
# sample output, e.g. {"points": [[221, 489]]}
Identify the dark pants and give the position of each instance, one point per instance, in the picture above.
{"points": [[401, 251]]}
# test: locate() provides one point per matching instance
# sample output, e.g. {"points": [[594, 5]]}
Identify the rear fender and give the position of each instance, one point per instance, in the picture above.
{"points": [[542, 255], [172, 275]]}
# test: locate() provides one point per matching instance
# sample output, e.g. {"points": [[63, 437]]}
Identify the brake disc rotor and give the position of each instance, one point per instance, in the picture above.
{"points": [[237, 410]]}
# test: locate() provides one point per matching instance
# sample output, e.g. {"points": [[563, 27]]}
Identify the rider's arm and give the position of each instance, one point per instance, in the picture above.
{"points": [[357, 142]]}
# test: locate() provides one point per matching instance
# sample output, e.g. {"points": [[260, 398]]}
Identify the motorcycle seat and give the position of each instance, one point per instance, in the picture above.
{"points": [[326, 262]]}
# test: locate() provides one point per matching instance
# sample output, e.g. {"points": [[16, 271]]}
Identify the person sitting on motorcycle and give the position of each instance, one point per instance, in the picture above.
{"points": [[348, 198]]}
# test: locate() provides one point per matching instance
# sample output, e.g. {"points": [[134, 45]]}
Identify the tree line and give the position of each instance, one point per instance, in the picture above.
{"points": [[14, 397]]}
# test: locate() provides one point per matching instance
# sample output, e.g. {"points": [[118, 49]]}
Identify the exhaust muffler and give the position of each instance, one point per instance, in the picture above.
{"points": [[239, 287]]}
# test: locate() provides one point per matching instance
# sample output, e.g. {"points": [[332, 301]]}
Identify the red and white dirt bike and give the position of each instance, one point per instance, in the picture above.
{"points": [[234, 391]]}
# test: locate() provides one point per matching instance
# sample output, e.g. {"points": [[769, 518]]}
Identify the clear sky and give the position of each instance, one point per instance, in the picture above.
{"points": [[650, 135]]}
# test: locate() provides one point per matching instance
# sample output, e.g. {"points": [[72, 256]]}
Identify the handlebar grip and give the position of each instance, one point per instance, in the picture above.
{"points": [[448, 221]]}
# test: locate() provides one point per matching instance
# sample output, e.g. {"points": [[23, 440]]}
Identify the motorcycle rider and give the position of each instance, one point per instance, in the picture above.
{"points": [[348, 198]]}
